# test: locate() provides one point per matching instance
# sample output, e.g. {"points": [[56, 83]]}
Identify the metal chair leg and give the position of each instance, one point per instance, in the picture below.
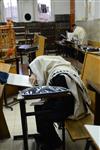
{"points": [[88, 143]]}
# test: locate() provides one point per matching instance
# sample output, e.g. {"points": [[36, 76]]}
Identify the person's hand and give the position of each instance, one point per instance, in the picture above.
{"points": [[32, 79]]}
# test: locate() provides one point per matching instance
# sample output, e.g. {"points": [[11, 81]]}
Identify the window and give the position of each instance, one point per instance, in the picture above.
{"points": [[10, 10], [44, 10]]}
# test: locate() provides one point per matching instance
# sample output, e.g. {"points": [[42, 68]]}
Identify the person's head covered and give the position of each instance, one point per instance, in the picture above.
{"points": [[74, 26]]}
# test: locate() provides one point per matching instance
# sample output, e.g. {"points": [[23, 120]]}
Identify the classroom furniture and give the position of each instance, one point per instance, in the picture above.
{"points": [[60, 48], [70, 49], [90, 73], [94, 132], [8, 89], [23, 34], [8, 46], [36, 48], [7, 42], [26, 49], [8, 50], [95, 87], [39, 40], [4, 132], [51, 30], [20, 33], [38, 92], [91, 67]]}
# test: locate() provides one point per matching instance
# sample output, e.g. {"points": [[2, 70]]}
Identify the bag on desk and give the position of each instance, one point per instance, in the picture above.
{"points": [[3, 77], [43, 91]]}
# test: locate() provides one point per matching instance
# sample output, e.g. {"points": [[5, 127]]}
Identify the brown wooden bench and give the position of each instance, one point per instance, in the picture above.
{"points": [[76, 128]]}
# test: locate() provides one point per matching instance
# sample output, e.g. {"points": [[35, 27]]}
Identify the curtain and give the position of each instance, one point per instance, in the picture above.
{"points": [[10, 9]]}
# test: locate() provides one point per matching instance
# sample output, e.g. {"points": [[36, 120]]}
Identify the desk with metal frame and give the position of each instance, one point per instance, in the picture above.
{"points": [[24, 114]]}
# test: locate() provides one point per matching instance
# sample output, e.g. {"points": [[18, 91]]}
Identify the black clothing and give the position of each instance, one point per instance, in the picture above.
{"points": [[60, 108], [3, 77]]}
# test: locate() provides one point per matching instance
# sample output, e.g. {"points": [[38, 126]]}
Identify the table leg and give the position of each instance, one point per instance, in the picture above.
{"points": [[24, 123]]}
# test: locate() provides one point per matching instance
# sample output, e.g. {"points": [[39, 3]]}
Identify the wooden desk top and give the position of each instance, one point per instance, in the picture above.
{"points": [[3, 67], [94, 132]]}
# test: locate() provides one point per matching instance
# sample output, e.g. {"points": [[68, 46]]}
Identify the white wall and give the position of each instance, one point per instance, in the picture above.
{"points": [[80, 9], [60, 7], [26, 6], [1, 11], [89, 17], [92, 28], [30, 6], [97, 9], [87, 9]]}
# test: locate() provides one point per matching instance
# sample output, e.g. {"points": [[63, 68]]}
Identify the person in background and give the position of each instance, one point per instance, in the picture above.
{"points": [[56, 71], [79, 34]]}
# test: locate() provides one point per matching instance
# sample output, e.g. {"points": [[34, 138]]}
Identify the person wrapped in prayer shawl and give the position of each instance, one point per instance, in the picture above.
{"points": [[56, 71]]}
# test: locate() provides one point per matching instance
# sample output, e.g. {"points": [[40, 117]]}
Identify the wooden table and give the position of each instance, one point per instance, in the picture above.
{"points": [[94, 132], [4, 132]]}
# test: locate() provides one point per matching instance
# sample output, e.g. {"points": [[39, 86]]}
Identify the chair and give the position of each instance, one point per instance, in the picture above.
{"points": [[28, 50], [40, 41], [34, 93], [96, 88], [76, 128], [11, 90]]}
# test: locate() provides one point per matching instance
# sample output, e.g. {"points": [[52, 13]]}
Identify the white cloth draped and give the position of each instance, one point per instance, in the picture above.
{"points": [[46, 67]]}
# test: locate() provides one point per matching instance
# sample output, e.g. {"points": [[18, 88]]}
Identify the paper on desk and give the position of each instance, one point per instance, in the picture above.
{"points": [[18, 80], [69, 36]]}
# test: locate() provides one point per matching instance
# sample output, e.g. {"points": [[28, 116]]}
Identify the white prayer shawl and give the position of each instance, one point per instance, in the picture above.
{"points": [[46, 67], [80, 33], [42, 66]]}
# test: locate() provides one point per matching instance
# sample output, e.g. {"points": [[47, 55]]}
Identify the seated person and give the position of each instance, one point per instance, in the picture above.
{"points": [[55, 71], [80, 34]]}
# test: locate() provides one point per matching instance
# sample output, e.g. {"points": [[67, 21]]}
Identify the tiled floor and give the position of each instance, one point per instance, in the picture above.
{"points": [[14, 125]]}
